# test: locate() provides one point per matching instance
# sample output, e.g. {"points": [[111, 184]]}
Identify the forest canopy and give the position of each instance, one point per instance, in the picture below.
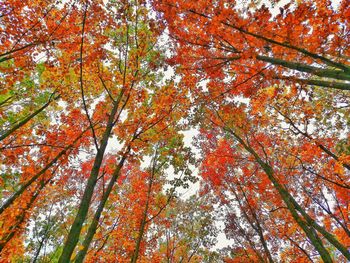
{"points": [[174, 131]]}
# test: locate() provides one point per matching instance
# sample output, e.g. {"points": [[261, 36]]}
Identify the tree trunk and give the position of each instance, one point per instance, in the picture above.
{"points": [[93, 226], [308, 225]]}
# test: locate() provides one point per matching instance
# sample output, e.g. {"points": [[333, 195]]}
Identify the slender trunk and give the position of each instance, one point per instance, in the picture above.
{"points": [[321, 229], [50, 224], [294, 207], [37, 253], [263, 241], [307, 225], [143, 221], [27, 119], [93, 226], [258, 227], [242, 210], [251, 243], [140, 235], [193, 253], [308, 230], [74, 233], [342, 72]]}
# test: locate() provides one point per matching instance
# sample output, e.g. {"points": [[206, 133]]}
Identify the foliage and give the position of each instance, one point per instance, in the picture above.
{"points": [[93, 157]]}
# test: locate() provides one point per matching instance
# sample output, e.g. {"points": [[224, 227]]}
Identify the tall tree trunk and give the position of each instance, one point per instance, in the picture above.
{"points": [[143, 223], [258, 227], [306, 223], [74, 233], [93, 226]]}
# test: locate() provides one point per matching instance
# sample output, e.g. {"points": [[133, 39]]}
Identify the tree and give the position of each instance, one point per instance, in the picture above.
{"points": [[105, 91], [243, 46], [92, 149], [189, 232], [278, 164], [225, 51]]}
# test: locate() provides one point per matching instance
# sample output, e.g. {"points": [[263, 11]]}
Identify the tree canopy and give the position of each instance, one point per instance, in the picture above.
{"points": [[98, 103]]}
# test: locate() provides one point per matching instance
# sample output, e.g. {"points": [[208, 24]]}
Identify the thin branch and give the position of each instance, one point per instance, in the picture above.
{"points": [[81, 81]]}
